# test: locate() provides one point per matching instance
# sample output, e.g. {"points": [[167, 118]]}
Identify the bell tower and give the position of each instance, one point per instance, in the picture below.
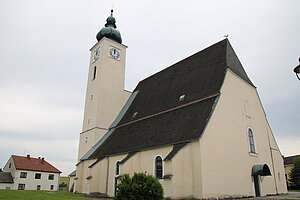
{"points": [[105, 94]]}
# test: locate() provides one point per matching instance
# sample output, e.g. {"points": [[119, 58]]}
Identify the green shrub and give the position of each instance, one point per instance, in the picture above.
{"points": [[139, 186], [295, 174]]}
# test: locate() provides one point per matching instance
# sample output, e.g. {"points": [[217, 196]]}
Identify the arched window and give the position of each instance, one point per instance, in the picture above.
{"points": [[251, 141], [158, 167], [95, 72], [117, 172]]}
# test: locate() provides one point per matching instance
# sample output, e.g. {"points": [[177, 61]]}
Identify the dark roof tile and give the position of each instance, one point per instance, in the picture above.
{"points": [[6, 177]]}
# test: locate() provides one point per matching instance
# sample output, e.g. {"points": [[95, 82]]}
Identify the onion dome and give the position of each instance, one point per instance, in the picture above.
{"points": [[110, 31]]}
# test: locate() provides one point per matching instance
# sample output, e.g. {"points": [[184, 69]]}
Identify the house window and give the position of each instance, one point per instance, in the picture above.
{"points": [[95, 72], [158, 167], [37, 176], [38, 187], [117, 172], [21, 186], [251, 141], [23, 175], [51, 187], [51, 177], [9, 166]]}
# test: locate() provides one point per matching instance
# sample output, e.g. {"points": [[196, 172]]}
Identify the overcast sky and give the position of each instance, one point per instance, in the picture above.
{"points": [[44, 57]]}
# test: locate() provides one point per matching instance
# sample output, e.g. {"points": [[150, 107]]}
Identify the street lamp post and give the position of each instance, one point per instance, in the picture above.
{"points": [[297, 70]]}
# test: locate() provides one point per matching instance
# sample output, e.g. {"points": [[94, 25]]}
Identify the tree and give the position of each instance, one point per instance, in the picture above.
{"points": [[140, 186], [295, 174]]}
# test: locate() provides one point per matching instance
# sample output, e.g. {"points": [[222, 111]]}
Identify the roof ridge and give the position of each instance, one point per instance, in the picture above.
{"points": [[234, 63], [186, 58]]}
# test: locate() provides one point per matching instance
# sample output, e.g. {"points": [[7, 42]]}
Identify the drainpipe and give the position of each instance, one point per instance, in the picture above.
{"points": [[107, 173], [272, 159]]}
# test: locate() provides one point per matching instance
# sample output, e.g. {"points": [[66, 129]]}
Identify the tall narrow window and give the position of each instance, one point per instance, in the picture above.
{"points": [[95, 72], [117, 168], [158, 167], [251, 141]]}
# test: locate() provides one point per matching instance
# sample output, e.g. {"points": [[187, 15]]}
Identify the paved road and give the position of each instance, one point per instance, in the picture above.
{"points": [[290, 195]]}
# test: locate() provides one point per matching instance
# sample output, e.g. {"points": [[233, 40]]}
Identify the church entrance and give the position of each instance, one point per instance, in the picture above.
{"points": [[257, 172]]}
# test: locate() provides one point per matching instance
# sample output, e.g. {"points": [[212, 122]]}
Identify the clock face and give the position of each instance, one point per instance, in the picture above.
{"points": [[96, 55], [114, 53]]}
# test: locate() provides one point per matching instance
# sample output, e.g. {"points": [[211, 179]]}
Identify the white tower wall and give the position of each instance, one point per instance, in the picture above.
{"points": [[105, 95]]}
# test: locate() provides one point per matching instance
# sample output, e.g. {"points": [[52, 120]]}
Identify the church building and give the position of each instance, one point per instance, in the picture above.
{"points": [[198, 126]]}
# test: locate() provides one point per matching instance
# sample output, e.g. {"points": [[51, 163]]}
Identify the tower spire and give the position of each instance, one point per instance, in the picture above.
{"points": [[110, 31]]}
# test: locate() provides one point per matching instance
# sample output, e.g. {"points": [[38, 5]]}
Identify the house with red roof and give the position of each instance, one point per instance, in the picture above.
{"points": [[28, 173]]}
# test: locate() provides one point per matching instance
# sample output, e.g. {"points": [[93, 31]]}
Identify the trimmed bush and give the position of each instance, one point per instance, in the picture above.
{"points": [[139, 187], [295, 175]]}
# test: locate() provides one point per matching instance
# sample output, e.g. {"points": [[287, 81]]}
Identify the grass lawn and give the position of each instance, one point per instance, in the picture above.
{"points": [[36, 195], [294, 190]]}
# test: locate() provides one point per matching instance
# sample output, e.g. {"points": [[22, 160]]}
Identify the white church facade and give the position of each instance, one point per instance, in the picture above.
{"points": [[198, 126]]}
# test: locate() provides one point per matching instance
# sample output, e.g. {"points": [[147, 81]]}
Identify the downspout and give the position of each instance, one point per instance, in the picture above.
{"points": [[107, 173], [272, 159]]}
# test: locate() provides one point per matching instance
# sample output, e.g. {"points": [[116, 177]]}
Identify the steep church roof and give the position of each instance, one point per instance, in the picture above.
{"points": [[174, 105]]}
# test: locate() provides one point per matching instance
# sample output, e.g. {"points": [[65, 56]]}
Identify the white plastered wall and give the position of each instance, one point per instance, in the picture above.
{"points": [[105, 95], [31, 183], [226, 162], [185, 168]]}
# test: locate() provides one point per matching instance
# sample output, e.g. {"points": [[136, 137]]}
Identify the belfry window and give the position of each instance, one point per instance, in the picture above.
{"points": [[251, 141], [95, 72], [158, 167]]}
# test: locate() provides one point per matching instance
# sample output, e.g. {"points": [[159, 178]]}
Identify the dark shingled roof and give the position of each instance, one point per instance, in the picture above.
{"points": [[5, 177], [73, 173], [157, 117], [127, 157], [290, 159], [175, 150]]}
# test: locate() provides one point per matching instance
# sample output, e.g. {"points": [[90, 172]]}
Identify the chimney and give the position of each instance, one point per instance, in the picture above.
{"points": [[28, 156], [43, 160], [39, 157]]}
